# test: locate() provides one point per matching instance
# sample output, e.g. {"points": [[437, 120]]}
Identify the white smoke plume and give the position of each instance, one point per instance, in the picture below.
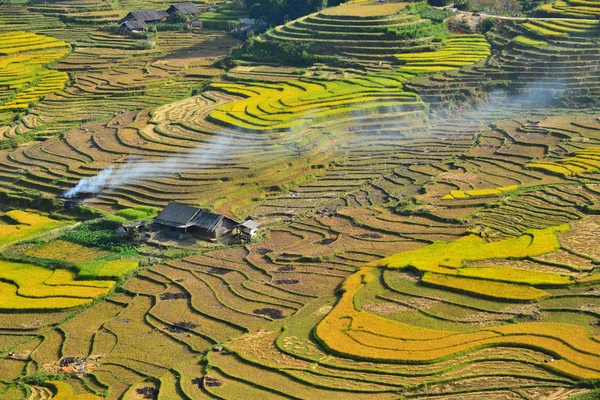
{"points": [[90, 185], [205, 155]]}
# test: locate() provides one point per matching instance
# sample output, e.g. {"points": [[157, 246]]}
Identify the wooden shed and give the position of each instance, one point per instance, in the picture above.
{"points": [[133, 26], [187, 8], [147, 16], [184, 219]]}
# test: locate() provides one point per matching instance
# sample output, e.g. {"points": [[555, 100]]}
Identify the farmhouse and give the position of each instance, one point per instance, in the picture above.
{"points": [[133, 26], [183, 219], [147, 16], [195, 24], [246, 25], [187, 8], [248, 228]]}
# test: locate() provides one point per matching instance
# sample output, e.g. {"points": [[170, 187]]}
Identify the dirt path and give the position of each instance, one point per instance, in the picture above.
{"points": [[485, 15], [475, 14]]}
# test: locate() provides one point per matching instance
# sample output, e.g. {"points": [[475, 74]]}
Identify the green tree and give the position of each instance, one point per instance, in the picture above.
{"points": [[179, 18]]}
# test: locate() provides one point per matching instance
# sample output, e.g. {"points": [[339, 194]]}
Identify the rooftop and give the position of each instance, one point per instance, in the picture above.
{"points": [[186, 8], [176, 215], [146, 15], [208, 221], [135, 25]]}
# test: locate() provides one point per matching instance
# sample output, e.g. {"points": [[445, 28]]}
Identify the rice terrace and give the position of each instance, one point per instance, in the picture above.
{"points": [[300, 199]]}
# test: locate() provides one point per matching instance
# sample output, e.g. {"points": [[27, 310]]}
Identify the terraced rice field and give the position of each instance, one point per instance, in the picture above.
{"points": [[572, 9], [23, 78], [410, 247], [370, 34], [537, 62]]}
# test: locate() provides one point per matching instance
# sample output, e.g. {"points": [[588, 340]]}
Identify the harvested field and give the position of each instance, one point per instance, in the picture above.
{"points": [[428, 204]]}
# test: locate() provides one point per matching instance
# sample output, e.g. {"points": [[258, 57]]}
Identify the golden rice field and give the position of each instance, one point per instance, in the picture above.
{"points": [[63, 250], [572, 8], [429, 204], [23, 76], [22, 225]]}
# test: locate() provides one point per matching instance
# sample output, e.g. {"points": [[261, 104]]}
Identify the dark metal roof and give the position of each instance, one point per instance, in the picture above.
{"points": [[186, 8], [145, 15], [176, 215], [134, 25], [208, 221]]}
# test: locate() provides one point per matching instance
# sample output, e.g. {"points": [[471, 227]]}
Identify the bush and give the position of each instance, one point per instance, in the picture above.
{"points": [[439, 3], [114, 220], [464, 5], [85, 213], [131, 214], [14, 142], [436, 15], [147, 209], [100, 234], [486, 25], [459, 26], [137, 213], [39, 378], [179, 18], [143, 45]]}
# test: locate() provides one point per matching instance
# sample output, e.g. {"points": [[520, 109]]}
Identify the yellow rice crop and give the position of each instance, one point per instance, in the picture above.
{"points": [[498, 290], [63, 391], [583, 161], [357, 333], [106, 269], [27, 225], [28, 286], [442, 256], [63, 250], [22, 56], [460, 194], [31, 281], [516, 276]]}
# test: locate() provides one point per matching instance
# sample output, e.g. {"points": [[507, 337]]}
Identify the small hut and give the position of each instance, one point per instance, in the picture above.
{"points": [[182, 219], [248, 228], [132, 26], [147, 16], [187, 8], [195, 24], [212, 226], [176, 217]]}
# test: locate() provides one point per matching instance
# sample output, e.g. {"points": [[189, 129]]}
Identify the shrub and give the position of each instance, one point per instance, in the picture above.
{"points": [[439, 3], [114, 221], [137, 213], [464, 5], [101, 234], [132, 214], [144, 45], [486, 25], [436, 15]]}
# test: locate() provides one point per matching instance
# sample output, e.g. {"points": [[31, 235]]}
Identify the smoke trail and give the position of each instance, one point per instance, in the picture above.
{"points": [[112, 177], [90, 185]]}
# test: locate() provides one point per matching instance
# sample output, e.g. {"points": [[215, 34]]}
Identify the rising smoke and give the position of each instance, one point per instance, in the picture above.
{"points": [[203, 156], [90, 185], [499, 103]]}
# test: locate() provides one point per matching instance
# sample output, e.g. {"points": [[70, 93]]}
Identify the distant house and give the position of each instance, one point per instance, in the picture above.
{"points": [[246, 25], [187, 8], [132, 26], [248, 228], [195, 24], [147, 16], [183, 219]]}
